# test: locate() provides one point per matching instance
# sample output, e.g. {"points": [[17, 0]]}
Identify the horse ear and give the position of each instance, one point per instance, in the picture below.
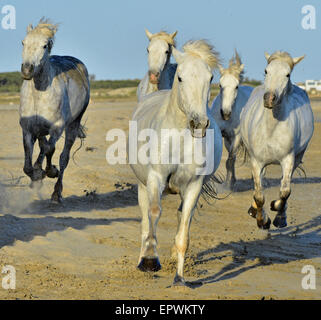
{"points": [[267, 56], [221, 69], [297, 60], [173, 35], [148, 34], [178, 56], [241, 67], [29, 28]]}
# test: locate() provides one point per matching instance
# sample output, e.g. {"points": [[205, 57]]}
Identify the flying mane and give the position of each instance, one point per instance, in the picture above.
{"points": [[164, 36], [44, 27], [203, 50], [283, 56], [234, 67]]}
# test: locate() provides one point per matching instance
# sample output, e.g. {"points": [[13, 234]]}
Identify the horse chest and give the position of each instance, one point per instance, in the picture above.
{"points": [[272, 146], [45, 105]]}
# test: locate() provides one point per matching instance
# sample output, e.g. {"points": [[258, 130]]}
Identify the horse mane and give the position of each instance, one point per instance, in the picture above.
{"points": [[234, 67], [44, 27], [163, 35], [283, 56], [203, 50]]}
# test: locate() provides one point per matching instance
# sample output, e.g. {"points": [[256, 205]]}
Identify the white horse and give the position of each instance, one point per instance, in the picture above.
{"points": [[226, 110], [276, 127], [54, 97], [160, 75], [182, 109]]}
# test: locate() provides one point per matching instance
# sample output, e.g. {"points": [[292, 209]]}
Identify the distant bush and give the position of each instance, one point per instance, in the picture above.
{"points": [[10, 82], [252, 82], [114, 84]]}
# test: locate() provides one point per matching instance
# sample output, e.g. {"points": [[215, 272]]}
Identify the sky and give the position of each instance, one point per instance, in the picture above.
{"points": [[109, 37]]}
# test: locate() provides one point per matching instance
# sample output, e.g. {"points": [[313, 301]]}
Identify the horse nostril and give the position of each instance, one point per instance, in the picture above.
{"points": [[208, 123]]}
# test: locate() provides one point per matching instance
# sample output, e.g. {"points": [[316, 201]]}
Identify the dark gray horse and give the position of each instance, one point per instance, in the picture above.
{"points": [[54, 96]]}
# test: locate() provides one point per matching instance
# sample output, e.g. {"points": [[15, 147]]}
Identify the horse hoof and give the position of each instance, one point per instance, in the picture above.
{"points": [[52, 172], [56, 199], [179, 281], [38, 175], [280, 222], [273, 208], [264, 226], [149, 265], [252, 212]]}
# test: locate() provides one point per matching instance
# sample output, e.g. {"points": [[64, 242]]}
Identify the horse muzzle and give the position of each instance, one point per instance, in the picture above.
{"points": [[154, 77], [198, 128], [270, 100], [225, 115], [27, 71]]}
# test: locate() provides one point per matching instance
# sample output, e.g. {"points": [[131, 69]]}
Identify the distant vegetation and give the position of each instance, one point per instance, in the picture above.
{"points": [[114, 84], [10, 82]]}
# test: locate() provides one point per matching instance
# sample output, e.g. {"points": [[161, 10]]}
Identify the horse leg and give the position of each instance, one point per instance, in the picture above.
{"points": [[38, 164], [230, 162], [28, 144], [51, 170], [190, 196], [179, 218], [257, 210], [71, 135], [281, 205], [149, 200]]}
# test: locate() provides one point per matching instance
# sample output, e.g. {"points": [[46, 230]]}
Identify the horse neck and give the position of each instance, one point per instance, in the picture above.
{"points": [[43, 79], [175, 110], [279, 112], [165, 76], [273, 117], [151, 87]]}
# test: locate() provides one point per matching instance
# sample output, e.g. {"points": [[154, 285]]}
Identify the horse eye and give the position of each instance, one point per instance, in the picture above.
{"points": [[147, 50], [265, 71], [45, 47], [288, 75], [237, 87], [212, 79], [180, 79], [167, 52]]}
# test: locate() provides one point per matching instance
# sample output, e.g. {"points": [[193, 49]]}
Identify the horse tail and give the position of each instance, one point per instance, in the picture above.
{"points": [[209, 190], [242, 153], [82, 136], [300, 169]]}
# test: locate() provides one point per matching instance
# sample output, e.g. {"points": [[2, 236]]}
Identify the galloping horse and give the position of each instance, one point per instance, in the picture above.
{"points": [[161, 72], [182, 109], [226, 110], [54, 96], [276, 127]]}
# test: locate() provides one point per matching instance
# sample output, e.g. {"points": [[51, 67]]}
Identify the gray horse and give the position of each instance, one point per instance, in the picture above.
{"points": [[54, 96], [276, 128]]}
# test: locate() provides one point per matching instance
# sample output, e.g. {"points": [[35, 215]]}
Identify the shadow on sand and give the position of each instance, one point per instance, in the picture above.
{"points": [[243, 185], [293, 244]]}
